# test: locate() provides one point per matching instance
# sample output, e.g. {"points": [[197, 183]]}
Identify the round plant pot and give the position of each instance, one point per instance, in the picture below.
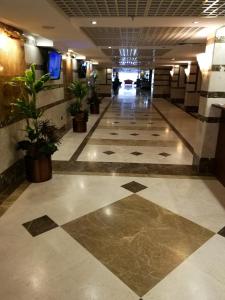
{"points": [[38, 170], [94, 108], [79, 125]]}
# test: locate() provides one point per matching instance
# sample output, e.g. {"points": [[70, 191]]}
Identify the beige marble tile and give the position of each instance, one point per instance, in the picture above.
{"points": [[72, 140], [199, 200], [65, 198], [194, 279], [166, 134], [137, 240], [178, 155]]}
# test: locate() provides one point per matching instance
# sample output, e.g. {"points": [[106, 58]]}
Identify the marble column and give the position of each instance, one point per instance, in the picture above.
{"points": [[161, 82], [193, 87], [212, 65], [177, 87]]}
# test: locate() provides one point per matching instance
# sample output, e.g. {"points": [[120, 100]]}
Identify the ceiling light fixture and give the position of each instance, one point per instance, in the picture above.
{"points": [[173, 59], [109, 47], [93, 22], [195, 22]]}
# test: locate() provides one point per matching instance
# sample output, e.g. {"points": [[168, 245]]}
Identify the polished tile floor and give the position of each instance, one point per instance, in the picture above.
{"points": [[133, 118], [100, 236]]}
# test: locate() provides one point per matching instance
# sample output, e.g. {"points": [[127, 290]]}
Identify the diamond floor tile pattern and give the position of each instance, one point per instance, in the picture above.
{"points": [[40, 225], [134, 186], [139, 241]]}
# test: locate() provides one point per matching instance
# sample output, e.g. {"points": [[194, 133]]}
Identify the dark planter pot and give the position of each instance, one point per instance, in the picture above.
{"points": [[79, 125], [38, 170], [94, 108]]}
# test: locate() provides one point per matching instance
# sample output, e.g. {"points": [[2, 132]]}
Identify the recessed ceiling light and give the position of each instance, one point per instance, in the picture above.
{"points": [[195, 22], [93, 22], [109, 47]]}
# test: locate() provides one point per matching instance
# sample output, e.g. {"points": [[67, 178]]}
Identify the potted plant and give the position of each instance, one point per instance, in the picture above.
{"points": [[80, 115], [93, 99], [41, 136]]}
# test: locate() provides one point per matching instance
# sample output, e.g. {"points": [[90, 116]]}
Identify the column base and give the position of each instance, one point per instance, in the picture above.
{"points": [[193, 109], [204, 165], [177, 100]]}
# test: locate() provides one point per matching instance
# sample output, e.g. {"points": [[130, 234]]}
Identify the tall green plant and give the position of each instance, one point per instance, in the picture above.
{"points": [[79, 91], [41, 135]]}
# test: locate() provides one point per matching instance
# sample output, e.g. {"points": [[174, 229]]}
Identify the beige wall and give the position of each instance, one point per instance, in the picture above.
{"points": [[11, 134]]}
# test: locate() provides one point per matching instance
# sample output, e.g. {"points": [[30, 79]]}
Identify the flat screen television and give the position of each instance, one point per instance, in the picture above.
{"points": [[54, 64]]}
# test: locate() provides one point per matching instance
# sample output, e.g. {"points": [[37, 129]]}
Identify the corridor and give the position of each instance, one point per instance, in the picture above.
{"points": [[132, 131], [124, 217]]}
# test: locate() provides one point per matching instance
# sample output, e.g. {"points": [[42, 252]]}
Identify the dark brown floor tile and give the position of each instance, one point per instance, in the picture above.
{"points": [[134, 134], [109, 152], [125, 168], [40, 225], [136, 153], [164, 154], [222, 232], [134, 187], [139, 241]]}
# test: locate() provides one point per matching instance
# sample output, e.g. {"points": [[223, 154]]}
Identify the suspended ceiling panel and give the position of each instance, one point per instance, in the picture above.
{"points": [[133, 56], [110, 8], [137, 37], [132, 52]]}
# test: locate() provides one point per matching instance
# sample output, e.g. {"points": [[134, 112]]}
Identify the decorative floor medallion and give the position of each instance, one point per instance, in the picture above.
{"points": [[139, 241]]}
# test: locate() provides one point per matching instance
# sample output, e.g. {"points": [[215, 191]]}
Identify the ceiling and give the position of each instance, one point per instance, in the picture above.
{"points": [[138, 37], [128, 33], [141, 8]]}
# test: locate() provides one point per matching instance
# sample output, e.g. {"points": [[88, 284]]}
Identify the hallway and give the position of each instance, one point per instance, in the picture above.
{"points": [[132, 131], [131, 137], [124, 217], [106, 195]]}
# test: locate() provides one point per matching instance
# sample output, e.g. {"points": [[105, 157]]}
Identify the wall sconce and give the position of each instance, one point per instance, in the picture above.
{"points": [[204, 62], [187, 70], [78, 56], [172, 72], [1, 68], [94, 62], [3, 40]]}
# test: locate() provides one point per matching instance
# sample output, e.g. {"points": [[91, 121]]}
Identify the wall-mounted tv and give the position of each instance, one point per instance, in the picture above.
{"points": [[54, 64]]}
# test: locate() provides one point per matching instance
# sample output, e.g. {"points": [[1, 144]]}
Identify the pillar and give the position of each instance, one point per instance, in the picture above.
{"points": [[193, 87], [177, 88], [161, 82], [212, 64]]}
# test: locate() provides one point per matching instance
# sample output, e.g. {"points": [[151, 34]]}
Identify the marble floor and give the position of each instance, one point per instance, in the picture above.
{"points": [[100, 234], [133, 131]]}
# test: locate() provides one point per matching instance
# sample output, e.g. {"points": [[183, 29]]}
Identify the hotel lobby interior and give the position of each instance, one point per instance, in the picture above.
{"points": [[112, 150]]}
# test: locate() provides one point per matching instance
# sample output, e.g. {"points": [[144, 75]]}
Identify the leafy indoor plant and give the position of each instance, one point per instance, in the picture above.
{"points": [[80, 115], [41, 136], [93, 99]]}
